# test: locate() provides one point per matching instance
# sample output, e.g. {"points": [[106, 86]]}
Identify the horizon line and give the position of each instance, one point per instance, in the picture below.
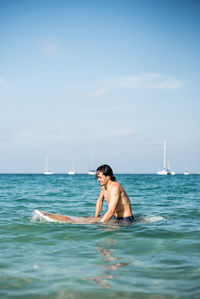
{"points": [[80, 173]]}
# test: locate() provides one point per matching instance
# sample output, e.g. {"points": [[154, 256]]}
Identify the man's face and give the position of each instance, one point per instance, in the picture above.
{"points": [[102, 179]]}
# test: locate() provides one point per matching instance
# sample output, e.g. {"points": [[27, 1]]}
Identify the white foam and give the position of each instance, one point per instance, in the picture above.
{"points": [[151, 219]]}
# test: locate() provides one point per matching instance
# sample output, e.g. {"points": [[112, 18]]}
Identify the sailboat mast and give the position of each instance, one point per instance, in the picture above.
{"points": [[46, 167], [164, 160], [186, 171]]}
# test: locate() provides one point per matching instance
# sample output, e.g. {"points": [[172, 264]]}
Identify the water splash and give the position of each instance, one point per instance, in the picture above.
{"points": [[151, 219]]}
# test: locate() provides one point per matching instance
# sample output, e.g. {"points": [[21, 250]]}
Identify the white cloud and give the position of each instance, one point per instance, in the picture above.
{"points": [[155, 81], [33, 137], [27, 137], [120, 132], [119, 109], [100, 89], [51, 47], [5, 85], [143, 81], [125, 109], [100, 92]]}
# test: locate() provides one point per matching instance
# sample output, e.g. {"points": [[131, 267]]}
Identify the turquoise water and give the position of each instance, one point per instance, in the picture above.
{"points": [[156, 257]]}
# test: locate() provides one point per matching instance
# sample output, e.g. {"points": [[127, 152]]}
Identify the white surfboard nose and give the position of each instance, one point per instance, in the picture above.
{"points": [[37, 215]]}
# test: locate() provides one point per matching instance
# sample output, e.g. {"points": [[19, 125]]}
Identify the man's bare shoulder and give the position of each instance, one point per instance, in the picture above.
{"points": [[114, 183], [115, 186]]}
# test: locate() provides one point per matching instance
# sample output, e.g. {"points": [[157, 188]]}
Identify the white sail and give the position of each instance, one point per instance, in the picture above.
{"points": [[186, 171], [91, 171], [46, 168], [72, 171], [165, 171]]}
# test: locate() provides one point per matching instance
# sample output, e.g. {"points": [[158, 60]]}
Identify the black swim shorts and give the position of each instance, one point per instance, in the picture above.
{"points": [[122, 219]]}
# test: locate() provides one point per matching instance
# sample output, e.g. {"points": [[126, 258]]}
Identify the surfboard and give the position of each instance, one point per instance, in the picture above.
{"points": [[50, 217]]}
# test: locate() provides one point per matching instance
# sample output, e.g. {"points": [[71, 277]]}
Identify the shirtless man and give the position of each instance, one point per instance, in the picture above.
{"points": [[119, 206]]}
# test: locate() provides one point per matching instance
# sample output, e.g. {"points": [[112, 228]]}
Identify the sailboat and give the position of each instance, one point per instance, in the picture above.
{"points": [[169, 170], [186, 172], [165, 171], [46, 171], [72, 171], [91, 171]]}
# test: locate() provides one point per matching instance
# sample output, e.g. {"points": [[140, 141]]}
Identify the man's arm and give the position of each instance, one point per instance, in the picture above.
{"points": [[114, 199], [99, 204]]}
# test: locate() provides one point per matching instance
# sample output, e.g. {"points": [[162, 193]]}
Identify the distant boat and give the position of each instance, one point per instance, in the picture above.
{"points": [[171, 172], [46, 168], [91, 172], [186, 172], [72, 171], [165, 171]]}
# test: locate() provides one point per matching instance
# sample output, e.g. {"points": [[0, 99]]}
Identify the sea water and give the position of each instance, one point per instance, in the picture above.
{"points": [[158, 256]]}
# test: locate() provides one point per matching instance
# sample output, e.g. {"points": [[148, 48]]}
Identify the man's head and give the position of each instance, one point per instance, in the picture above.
{"points": [[104, 173]]}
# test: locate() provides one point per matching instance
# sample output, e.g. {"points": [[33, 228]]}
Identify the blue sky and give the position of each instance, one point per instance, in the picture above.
{"points": [[99, 82]]}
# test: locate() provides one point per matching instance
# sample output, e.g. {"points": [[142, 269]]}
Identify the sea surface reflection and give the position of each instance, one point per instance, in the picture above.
{"points": [[109, 262]]}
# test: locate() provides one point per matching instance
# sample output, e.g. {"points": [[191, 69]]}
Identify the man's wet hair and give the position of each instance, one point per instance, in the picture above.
{"points": [[107, 171]]}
